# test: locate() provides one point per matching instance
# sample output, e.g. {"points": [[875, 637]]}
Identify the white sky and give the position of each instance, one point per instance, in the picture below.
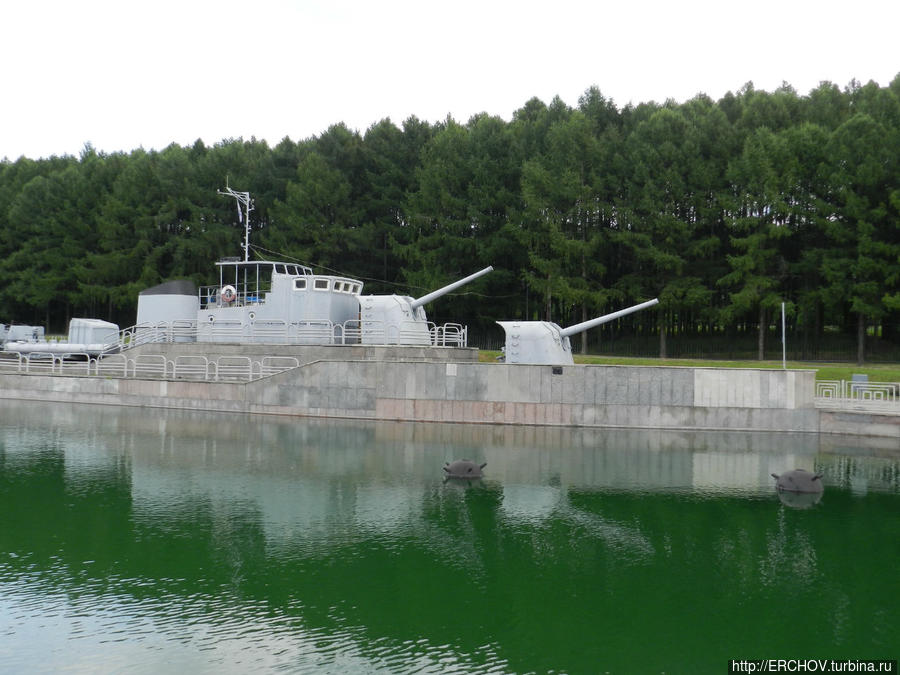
{"points": [[122, 74]]}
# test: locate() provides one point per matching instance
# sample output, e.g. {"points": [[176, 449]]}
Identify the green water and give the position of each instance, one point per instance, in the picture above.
{"points": [[145, 541]]}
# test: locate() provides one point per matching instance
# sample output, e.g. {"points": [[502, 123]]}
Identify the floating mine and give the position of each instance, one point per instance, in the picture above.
{"points": [[799, 488], [464, 468]]}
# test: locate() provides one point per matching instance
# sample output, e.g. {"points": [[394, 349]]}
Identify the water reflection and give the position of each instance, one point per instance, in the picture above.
{"points": [[273, 543], [171, 452]]}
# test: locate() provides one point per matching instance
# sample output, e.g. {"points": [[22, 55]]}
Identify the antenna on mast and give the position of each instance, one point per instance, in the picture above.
{"points": [[243, 200]]}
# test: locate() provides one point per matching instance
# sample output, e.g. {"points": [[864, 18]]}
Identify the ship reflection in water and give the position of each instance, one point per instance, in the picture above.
{"points": [[172, 539]]}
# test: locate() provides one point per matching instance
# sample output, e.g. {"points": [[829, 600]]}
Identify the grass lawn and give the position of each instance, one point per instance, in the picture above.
{"points": [[877, 372]]}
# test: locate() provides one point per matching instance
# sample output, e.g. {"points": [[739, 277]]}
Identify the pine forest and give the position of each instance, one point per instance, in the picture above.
{"points": [[724, 210]]}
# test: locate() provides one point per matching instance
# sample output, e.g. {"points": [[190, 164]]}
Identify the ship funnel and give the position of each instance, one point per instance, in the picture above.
{"points": [[606, 318], [434, 295]]}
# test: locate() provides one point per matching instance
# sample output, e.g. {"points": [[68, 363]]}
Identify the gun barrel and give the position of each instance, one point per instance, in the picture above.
{"points": [[606, 318], [434, 295]]}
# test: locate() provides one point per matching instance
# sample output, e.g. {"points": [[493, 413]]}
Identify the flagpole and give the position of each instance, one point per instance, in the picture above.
{"points": [[783, 341]]}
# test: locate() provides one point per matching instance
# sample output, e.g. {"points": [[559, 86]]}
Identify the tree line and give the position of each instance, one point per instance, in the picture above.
{"points": [[722, 209]]}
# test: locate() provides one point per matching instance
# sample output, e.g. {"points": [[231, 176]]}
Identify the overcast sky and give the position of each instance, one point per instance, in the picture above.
{"points": [[123, 74]]}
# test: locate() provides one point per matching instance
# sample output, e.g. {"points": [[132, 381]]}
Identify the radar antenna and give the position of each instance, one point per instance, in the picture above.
{"points": [[243, 202]]}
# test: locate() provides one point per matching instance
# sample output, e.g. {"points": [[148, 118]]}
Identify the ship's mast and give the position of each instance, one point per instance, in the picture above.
{"points": [[243, 202]]}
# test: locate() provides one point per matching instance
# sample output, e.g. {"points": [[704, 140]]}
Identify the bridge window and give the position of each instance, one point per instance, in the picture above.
{"points": [[321, 284], [299, 284]]}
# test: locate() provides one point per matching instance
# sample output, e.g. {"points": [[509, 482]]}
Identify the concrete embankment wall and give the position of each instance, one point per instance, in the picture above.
{"points": [[621, 396], [594, 396], [860, 423]]}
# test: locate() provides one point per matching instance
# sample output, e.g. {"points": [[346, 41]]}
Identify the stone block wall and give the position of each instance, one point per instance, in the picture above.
{"points": [[513, 394], [618, 396]]}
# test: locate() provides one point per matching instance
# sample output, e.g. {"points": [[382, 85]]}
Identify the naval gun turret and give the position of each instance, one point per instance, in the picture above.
{"points": [[545, 343], [400, 319]]}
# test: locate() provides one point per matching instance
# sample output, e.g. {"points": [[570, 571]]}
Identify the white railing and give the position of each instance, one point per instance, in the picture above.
{"points": [[858, 395], [145, 333], [266, 331], [274, 332], [191, 368], [425, 334], [149, 366], [233, 368], [115, 365], [221, 331], [269, 365], [54, 364], [451, 335]]}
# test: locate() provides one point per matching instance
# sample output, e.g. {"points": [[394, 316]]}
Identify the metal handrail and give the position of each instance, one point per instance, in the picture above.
{"points": [[153, 366], [234, 368], [190, 367], [854, 395], [266, 331]]}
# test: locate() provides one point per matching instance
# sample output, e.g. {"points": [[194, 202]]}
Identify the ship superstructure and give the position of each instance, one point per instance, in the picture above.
{"points": [[267, 302], [276, 302]]}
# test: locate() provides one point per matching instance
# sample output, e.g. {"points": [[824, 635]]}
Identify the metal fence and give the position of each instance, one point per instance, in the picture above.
{"points": [[151, 366], [298, 332], [858, 395]]}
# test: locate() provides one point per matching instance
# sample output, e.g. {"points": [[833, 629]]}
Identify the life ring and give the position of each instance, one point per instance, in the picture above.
{"points": [[228, 294]]}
